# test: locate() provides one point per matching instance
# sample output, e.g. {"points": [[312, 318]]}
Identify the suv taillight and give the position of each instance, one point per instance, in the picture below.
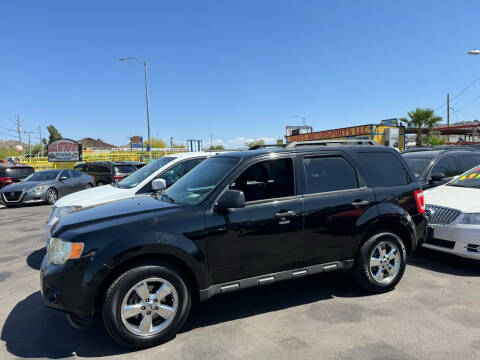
{"points": [[117, 177], [420, 200], [5, 179]]}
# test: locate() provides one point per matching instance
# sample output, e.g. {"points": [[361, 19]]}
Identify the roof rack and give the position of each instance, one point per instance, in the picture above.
{"points": [[330, 143], [441, 148], [257, 147]]}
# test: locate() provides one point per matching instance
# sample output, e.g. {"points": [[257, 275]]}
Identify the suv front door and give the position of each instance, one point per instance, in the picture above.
{"points": [[266, 235], [335, 196]]}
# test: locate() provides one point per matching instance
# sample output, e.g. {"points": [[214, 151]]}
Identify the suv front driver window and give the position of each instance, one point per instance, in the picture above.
{"points": [[446, 166], [266, 180]]}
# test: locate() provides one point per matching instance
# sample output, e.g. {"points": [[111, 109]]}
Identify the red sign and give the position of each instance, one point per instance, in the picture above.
{"points": [[332, 134], [64, 150]]}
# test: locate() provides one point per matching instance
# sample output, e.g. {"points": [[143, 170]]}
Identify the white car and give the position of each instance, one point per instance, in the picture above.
{"points": [[453, 211], [170, 168]]}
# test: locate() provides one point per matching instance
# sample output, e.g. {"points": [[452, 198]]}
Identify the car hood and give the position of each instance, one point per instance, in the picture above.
{"points": [[464, 199], [94, 196], [24, 185], [113, 210]]}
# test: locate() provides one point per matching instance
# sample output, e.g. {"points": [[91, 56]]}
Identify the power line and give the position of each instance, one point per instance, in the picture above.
{"points": [[460, 93], [469, 103], [9, 135]]}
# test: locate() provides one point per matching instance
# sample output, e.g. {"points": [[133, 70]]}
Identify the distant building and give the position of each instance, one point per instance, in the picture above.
{"points": [[98, 144]]}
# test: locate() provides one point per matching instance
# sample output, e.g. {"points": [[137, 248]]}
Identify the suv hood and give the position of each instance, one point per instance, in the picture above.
{"points": [[113, 210], [94, 196], [466, 200]]}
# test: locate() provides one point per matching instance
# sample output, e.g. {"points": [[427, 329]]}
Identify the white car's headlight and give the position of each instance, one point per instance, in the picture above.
{"points": [[64, 210], [60, 251], [471, 219], [35, 189]]}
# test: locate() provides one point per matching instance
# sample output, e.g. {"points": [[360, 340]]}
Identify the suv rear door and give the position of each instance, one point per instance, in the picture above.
{"points": [[334, 197], [266, 235]]}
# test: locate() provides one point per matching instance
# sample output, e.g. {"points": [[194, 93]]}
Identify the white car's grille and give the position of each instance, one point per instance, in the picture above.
{"points": [[441, 215]]}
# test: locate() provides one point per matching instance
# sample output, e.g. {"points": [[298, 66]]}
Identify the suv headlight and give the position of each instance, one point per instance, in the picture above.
{"points": [[35, 189], [471, 219], [60, 251]]}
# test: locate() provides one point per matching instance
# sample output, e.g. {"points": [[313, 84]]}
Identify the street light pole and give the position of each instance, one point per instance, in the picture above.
{"points": [[146, 99]]}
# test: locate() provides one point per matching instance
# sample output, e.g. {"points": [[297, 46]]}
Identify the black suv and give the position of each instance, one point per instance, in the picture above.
{"points": [[237, 220], [436, 167], [106, 172]]}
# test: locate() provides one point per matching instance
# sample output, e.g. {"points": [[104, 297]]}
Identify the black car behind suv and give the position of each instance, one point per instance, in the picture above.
{"points": [[106, 172], [436, 167], [237, 220]]}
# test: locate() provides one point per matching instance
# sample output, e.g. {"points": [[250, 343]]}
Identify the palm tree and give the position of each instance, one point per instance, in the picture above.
{"points": [[420, 119]]}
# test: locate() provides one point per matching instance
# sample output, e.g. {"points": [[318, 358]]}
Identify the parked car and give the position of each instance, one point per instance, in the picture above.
{"points": [[436, 167], [453, 210], [137, 164], [12, 173], [171, 168], [45, 186], [237, 220], [106, 172]]}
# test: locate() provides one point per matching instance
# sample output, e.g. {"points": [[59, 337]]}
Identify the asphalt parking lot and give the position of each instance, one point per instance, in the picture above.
{"points": [[433, 314]]}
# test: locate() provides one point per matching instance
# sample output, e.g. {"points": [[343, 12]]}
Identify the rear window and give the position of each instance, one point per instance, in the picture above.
{"points": [[385, 169], [122, 169], [16, 173]]}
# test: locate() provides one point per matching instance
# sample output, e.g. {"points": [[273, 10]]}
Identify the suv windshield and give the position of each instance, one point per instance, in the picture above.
{"points": [[138, 176], [199, 182], [124, 169], [417, 165], [43, 176], [469, 179]]}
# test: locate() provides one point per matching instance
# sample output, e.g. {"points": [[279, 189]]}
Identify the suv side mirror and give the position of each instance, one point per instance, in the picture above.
{"points": [[62, 178], [437, 177], [231, 199], [159, 184]]}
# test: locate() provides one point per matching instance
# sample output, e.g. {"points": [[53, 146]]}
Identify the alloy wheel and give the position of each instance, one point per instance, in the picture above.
{"points": [[385, 261], [149, 307], [52, 196]]}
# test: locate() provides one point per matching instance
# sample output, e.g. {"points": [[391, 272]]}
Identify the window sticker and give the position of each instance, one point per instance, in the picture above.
{"points": [[463, 177], [472, 175]]}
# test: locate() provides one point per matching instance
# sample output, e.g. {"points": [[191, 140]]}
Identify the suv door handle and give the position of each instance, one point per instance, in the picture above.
{"points": [[282, 214], [360, 203]]}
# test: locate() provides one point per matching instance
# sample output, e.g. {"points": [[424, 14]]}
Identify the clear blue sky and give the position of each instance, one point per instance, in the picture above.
{"points": [[237, 69]]}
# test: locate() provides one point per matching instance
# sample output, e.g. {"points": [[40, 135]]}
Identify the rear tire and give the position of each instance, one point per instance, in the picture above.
{"points": [[146, 306], [88, 186], [100, 183], [380, 262]]}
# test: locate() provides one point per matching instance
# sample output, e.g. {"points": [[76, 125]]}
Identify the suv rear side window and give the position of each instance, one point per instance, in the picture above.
{"points": [[266, 180], [124, 169], [468, 162], [330, 173], [446, 166], [385, 169]]}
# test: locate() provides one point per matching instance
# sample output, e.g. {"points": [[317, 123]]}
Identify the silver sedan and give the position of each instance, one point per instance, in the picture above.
{"points": [[45, 186]]}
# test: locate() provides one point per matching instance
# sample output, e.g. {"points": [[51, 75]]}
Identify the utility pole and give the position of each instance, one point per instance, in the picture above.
{"points": [[171, 142], [448, 118], [211, 141], [41, 142], [29, 146], [19, 129]]}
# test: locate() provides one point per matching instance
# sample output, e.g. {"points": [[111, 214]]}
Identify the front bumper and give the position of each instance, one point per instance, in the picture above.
{"points": [[72, 287], [458, 239], [25, 198]]}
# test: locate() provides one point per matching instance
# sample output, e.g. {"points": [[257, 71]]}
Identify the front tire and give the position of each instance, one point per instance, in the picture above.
{"points": [[100, 183], [146, 306], [380, 262], [52, 196]]}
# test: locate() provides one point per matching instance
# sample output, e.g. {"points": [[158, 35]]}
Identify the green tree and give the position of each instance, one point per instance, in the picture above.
{"points": [[54, 134], [255, 142], [218, 147], [178, 146], [433, 140], [279, 141], [421, 119], [156, 143]]}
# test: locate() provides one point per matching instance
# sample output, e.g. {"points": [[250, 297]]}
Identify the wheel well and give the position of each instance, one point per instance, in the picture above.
{"points": [[394, 227], [142, 260]]}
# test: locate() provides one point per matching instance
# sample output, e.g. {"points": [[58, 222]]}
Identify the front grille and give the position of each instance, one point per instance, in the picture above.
{"points": [[441, 215], [442, 243], [12, 195]]}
